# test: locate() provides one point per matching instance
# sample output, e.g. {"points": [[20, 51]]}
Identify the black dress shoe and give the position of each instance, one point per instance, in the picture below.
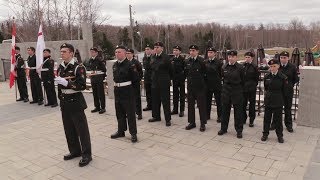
{"points": [[134, 138], [147, 109], [33, 102], [154, 120], [117, 135], [239, 135], [139, 117], [168, 123], [221, 132], [174, 112], [290, 130], [181, 114], [20, 99], [264, 138], [95, 110], [251, 125], [26, 100], [70, 156], [47, 105], [40, 103], [280, 140], [202, 127], [85, 161], [102, 111], [190, 126], [219, 120], [54, 105]]}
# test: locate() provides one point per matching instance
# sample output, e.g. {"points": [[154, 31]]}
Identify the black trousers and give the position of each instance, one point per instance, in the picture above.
{"points": [[238, 115], [276, 115], [22, 86], [77, 132], [287, 111], [137, 95], [36, 88], [99, 96], [147, 87], [179, 95], [251, 98], [161, 95], [50, 91], [217, 97], [125, 109], [200, 97]]}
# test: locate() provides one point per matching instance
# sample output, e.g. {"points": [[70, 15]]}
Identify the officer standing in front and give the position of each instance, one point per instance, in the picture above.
{"points": [[71, 81], [21, 77], [47, 77], [98, 69], [232, 94], [291, 72], [196, 86], [213, 82], [251, 79], [274, 85], [178, 64], [35, 81], [147, 76], [123, 76], [137, 68], [161, 80]]}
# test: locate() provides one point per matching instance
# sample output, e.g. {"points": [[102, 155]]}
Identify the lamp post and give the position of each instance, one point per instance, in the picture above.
{"points": [[140, 40]]}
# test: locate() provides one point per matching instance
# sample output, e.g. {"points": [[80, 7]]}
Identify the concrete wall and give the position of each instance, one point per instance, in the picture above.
{"points": [[110, 78], [309, 97]]}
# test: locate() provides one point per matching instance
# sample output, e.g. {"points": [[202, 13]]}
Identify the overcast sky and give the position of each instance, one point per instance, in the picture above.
{"points": [[201, 11]]}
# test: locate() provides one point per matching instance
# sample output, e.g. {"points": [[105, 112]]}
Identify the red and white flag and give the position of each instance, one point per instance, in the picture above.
{"points": [[13, 73], [39, 50]]}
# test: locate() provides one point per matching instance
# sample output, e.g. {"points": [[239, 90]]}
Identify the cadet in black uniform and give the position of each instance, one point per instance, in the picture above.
{"points": [[123, 76], [35, 81], [274, 85], [213, 81], [98, 69], [196, 75], [147, 76], [290, 71], [21, 77], [178, 64], [47, 77], [251, 79], [137, 68], [232, 94], [161, 80], [71, 81]]}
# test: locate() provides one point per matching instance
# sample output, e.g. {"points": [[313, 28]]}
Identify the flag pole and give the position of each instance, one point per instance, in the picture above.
{"points": [[15, 88]]}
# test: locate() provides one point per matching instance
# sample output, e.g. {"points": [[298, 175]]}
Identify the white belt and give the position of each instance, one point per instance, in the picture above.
{"points": [[123, 84], [45, 69], [69, 91], [33, 68]]}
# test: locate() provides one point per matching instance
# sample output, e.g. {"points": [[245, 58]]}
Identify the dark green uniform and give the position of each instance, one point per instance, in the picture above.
{"points": [[21, 79], [47, 77], [178, 64]]}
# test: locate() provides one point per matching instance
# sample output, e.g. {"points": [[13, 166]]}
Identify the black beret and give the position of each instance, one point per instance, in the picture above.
{"points": [[194, 47], [158, 44], [249, 54], [32, 48], [69, 46], [273, 61], [130, 50], [177, 47], [94, 49], [284, 53], [121, 47], [232, 53], [148, 46], [17, 48], [211, 49], [48, 50]]}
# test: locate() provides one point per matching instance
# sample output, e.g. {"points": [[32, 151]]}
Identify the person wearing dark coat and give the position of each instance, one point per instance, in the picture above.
{"points": [[21, 77]]}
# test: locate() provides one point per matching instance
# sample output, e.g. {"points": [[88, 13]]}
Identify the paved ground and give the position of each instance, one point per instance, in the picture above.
{"points": [[32, 144]]}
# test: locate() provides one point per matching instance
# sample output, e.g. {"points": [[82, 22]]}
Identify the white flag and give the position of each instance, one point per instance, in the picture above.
{"points": [[39, 51]]}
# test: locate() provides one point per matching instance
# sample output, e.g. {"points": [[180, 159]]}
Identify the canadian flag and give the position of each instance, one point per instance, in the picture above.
{"points": [[39, 50], [13, 73]]}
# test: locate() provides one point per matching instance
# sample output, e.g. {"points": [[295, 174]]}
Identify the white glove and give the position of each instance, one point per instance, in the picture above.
{"points": [[61, 81]]}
